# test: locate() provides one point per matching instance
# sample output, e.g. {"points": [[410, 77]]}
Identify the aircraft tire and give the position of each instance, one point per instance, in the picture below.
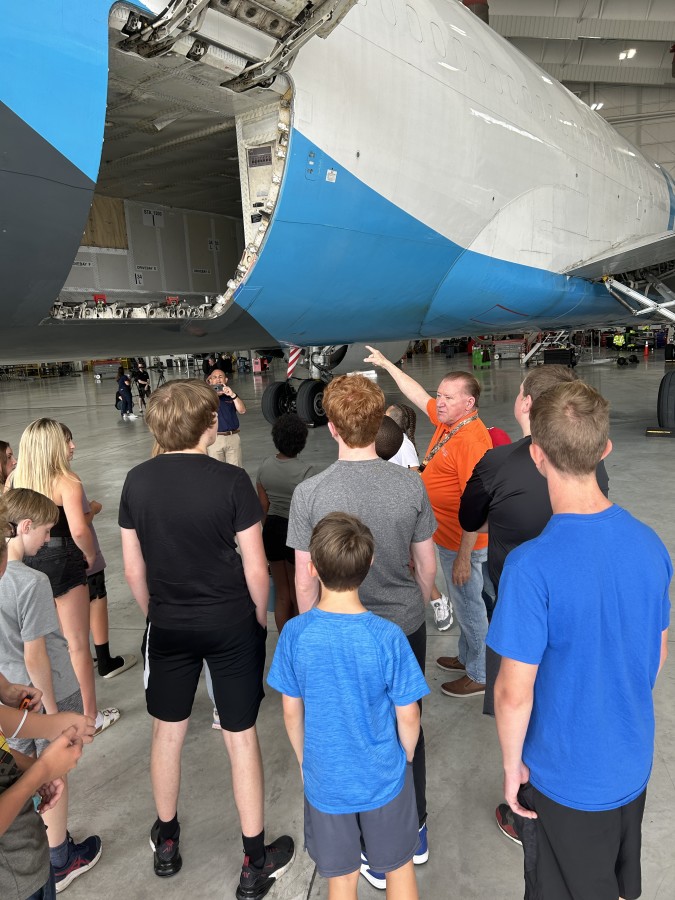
{"points": [[277, 399], [666, 401], [308, 402]]}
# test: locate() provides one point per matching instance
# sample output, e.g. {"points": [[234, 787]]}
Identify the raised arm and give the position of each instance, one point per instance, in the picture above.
{"points": [[407, 385]]}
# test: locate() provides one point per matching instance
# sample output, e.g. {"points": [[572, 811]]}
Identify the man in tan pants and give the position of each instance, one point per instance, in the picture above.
{"points": [[227, 446]]}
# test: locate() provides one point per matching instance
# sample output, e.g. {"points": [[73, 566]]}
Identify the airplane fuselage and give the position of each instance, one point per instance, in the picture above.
{"points": [[427, 180]]}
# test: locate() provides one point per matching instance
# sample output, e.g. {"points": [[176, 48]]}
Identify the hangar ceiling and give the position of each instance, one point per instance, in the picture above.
{"points": [[581, 42]]}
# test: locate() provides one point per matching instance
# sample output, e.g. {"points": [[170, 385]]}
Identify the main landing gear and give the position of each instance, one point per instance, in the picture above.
{"points": [[306, 399], [281, 397]]}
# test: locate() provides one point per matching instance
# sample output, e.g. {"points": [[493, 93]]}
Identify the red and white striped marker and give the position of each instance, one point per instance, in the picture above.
{"points": [[293, 357]]}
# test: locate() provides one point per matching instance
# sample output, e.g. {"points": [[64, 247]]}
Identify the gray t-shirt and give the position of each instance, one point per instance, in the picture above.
{"points": [[280, 477], [393, 503], [28, 612]]}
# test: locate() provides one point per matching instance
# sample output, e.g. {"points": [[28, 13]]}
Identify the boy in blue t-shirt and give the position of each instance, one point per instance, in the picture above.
{"points": [[581, 648], [351, 684]]}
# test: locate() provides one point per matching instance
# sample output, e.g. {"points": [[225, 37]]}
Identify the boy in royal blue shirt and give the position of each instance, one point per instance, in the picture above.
{"points": [[351, 684], [582, 645]]}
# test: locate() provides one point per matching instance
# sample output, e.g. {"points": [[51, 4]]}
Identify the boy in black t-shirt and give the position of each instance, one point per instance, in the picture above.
{"points": [[204, 602]]}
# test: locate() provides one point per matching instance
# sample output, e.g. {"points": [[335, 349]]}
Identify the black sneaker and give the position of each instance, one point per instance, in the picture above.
{"points": [[507, 822], [255, 883], [167, 860]]}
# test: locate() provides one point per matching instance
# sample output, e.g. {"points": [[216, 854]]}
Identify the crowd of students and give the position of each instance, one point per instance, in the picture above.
{"points": [[354, 552]]}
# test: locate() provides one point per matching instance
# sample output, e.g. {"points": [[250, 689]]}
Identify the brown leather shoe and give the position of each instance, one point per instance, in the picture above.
{"points": [[450, 664], [462, 687]]}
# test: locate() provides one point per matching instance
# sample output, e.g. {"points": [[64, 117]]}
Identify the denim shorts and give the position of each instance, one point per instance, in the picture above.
{"points": [[62, 562]]}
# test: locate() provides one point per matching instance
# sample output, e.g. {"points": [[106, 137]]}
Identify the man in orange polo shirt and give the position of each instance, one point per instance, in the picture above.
{"points": [[459, 442]]}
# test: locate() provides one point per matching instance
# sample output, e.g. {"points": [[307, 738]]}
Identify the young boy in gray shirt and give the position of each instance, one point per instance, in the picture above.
{"points": [[33, 649]]}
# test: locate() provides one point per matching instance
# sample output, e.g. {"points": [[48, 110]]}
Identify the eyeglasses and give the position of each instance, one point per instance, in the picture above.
{"points": [[10, 532]]}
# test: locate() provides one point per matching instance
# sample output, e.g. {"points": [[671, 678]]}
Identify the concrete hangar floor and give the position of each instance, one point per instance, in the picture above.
{"points": [[469, 858]]}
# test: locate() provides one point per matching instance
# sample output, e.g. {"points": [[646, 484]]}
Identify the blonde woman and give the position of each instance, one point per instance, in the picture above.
{"points": [[44, 467]]}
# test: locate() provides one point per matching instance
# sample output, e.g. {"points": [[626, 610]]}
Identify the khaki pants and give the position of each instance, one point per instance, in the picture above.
{"points": [[227, 448]]}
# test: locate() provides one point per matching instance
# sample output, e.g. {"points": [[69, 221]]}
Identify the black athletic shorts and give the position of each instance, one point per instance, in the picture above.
{"points": [[62, 562], [571, 854], [96, 584], [275, 531], [236, 659]]}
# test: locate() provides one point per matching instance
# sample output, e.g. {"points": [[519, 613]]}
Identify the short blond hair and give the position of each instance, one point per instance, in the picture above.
{"points": [[543, 378], [355, 406], [179, 412], [570, 422], [22, 503]]}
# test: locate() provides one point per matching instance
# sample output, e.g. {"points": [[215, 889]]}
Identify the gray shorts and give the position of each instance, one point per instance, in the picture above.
{"points": [[390, 835], [35, 746]]}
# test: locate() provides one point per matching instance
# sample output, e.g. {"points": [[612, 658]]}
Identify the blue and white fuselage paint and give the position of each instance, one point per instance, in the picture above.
{"points": [[429, 179]]}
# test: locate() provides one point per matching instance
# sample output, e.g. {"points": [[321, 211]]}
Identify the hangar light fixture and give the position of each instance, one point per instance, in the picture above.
{"points": [[597, 106], [627, 54]]}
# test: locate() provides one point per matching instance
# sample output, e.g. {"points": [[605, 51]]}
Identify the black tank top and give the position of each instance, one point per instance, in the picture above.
{"points": [[62, 528]]}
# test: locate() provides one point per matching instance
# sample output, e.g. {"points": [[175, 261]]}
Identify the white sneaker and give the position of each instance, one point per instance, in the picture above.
{"points": [[131, 416], [442, 613], [216, 720]]}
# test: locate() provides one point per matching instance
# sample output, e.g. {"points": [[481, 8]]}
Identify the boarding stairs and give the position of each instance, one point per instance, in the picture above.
{"points": [[547, 341]]}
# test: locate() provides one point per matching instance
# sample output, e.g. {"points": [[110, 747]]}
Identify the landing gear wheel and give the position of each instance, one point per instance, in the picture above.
{"points": [[665, 405], [496, 355], [308, 402], [622, 361], [277, 399]]}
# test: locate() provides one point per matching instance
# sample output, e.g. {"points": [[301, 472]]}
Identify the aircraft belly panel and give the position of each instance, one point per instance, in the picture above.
{"points": [[509, 297], [342, 263]]}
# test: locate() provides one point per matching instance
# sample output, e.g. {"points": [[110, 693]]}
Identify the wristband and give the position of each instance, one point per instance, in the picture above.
{"points": [[20, 725], [235, 396]]}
